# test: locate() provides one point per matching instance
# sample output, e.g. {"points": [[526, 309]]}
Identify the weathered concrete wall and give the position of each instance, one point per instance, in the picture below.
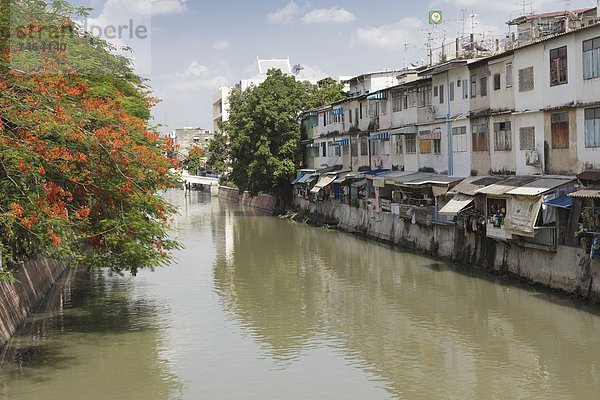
{"points": [[263, 202], [565, 268], [17, 300], [228, 193]]}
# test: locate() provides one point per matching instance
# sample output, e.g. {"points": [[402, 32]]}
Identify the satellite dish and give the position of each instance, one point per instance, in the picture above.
{"points": [[297, 68]]}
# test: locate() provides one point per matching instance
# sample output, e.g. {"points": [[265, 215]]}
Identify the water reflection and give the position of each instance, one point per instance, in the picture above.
{"points": [[92, 333], [423, 329]]}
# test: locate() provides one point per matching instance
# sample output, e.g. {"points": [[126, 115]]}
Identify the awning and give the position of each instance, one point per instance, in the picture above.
{"points": [[358, 184], [344, 176], [298, 178], [342, 142], [456, 204], [307, 141], [586, 194], [409, 129], [377, 96], [560, 202], [538, 186], [307, 178], [435, 135], [313, 145], [521, 215], [324, 180], [380, 136], [337, 111], [502, 187]]}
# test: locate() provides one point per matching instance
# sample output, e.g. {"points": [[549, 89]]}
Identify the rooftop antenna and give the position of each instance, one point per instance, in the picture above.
{"points": [[524, 6], [297, 68]]}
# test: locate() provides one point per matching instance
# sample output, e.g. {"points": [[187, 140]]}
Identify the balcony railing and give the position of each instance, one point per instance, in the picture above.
{"points": [[545, 236]]}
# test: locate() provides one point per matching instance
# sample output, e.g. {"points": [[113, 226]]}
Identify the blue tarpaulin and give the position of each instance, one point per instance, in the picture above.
{"points": [[560, 202]]}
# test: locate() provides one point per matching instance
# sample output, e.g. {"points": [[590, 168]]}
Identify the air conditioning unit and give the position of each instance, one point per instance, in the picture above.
{"points": [[532, 158]]}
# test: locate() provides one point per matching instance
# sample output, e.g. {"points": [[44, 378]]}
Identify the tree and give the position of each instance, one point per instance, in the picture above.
{"points": [[79, 167], [218, 153], [264, 132], [194, 159]]}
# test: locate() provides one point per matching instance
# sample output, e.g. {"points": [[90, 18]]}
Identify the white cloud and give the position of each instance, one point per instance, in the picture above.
{"points": [[334, 15], [285, 15], [164, 7], [197, 77], [392, 36], [221, 44]]}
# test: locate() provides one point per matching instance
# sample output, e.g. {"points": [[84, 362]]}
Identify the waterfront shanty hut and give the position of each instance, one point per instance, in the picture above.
{"points": [[584, 224], [514, 208]]}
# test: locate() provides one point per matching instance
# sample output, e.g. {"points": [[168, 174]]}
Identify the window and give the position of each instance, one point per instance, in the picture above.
{"points": [[323, 149], [399, 145], [465, 89], [337, 150], [360, 106], [383, 106], [350, 117], [591, 58], [496, 81], [526, 79], [435, 91], [354, 147], [373, 108], [412, 97], [480, 137], [592, 127], [424, 144], [324, 119], [558, 66], [441, 94], [451, 91], [483, 88], [424, 96], [345, 150], [374, 147], [364, 146], [559, 126], [396, 101], [385, 147], [437, 146], [411, 143], [502, 136], [473, 86], [509, 73], [527, 138], [459, 139]]}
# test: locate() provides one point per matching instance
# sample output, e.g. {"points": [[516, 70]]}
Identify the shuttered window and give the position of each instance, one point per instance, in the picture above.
{"points": [[560, 130], [424, 144], [480, 137], [558, 66], [502, 136]]}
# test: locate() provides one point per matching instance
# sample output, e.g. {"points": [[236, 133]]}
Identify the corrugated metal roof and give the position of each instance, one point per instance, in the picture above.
{"points": [[587, 193], [411, 177], [505, 185], [471, 184], [538, 186], [589, 176], [433, 179]]}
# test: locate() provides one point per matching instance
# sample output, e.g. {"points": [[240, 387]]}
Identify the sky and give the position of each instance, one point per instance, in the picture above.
{"points": [[195, 46]]}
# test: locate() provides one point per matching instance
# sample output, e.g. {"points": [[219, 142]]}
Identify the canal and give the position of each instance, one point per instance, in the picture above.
{"points": [[257, 307]]}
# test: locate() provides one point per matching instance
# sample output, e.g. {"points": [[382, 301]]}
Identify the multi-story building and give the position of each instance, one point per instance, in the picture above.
{"points": [[221, 106], [186, 138]]}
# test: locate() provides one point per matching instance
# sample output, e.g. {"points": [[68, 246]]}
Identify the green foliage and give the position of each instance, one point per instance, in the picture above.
{"points": [[264, 133], [218, 153]]}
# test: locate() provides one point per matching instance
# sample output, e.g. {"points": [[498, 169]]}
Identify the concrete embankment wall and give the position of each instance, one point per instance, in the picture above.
{"points": [[565, 268], [17, 300], [263, 202]]}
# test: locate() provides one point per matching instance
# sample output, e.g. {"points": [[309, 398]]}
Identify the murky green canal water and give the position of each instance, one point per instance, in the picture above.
{"points": [[261, 308]]}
